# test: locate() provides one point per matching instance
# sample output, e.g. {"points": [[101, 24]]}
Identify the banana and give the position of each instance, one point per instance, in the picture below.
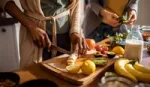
{"points": [[120, 69], [143, 77], [141, 68]]}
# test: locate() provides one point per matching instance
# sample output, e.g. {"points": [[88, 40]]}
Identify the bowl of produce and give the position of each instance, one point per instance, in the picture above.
{"points": [[9, 79], [111, 54], [111, 79]]}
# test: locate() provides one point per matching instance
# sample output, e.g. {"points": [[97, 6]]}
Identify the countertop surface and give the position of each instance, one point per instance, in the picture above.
{"points": [[36, 71]]}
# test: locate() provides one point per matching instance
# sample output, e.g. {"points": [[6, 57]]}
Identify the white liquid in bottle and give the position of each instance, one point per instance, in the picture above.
{"points": [[134, 49]]}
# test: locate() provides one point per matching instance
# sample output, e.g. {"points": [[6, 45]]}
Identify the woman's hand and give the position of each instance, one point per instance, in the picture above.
{"points": [[132, 17], [40, 38], [110, 18], [78, 43]]}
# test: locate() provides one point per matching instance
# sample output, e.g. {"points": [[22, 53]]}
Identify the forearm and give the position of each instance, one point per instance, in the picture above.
{"points": [[14, 11], [76, 20]]}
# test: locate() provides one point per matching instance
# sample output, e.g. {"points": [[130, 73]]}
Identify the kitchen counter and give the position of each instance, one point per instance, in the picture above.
{"points": [[36, 71]]}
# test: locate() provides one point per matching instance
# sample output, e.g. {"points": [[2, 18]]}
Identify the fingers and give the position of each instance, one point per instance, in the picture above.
{"points": [[85, 46], [115, 16], [37, 43], [130, 15], [74, 48], [47, 40], [42, 40], [80, 50], [132, 20]]}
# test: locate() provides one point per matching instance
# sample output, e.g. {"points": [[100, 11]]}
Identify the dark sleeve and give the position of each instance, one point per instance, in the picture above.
{"points": [[95, 6]]}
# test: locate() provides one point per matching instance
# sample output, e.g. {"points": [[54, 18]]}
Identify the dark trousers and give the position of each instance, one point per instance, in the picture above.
{"points": [[63, 41]]}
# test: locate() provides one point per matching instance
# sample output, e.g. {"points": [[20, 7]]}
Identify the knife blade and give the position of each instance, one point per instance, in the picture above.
{"points": [[60, 49]]}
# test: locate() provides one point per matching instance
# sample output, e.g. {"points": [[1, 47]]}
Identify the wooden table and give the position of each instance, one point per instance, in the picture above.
{"points": [[36, 71]]}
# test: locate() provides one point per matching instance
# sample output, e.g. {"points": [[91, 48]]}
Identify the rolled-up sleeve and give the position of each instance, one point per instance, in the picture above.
{"points": [[95, 6], [3, 3], [75, 21], [134, 5]]}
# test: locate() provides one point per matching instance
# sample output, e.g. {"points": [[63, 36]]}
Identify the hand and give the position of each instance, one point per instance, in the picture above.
{"points": [[78, 43], [40, 38], [110, 18], [132, 16]]}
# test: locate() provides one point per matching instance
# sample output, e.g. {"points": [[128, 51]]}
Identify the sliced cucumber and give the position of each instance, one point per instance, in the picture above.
{"points": [[100, 61]]}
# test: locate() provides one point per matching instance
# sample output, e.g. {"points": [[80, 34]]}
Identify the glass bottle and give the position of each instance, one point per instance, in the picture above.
{"points": [[134, 44]]}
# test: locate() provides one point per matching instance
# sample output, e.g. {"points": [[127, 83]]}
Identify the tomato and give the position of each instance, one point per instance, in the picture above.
{"points": [[98, 47], [91, 43], [105, 48], [104, 52]]}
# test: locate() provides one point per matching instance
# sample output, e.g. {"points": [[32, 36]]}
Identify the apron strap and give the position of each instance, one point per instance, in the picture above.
{"points": [[53, 19]]}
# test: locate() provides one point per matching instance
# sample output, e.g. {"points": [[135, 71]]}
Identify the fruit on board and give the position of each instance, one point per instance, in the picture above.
{"points": [[73, 68], [98, 47], [119, 67], [91, 43], [141, 76], [141, 68], [118, 50], [88, 67], [97, 55], [101, 49], [111, 54], [100, 61]]}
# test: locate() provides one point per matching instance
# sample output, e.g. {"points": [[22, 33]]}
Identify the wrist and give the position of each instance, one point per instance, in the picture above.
{"points": [[103, 12]]}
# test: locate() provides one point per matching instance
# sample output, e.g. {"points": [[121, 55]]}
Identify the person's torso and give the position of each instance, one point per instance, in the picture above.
{"points": [[53, 8], [117, 6]]}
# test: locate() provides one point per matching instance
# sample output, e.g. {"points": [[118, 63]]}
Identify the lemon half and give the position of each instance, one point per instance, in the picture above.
{"points": [[73, 68]]}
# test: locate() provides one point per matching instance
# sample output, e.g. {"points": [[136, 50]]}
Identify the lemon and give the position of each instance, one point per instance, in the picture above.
{"points": [[118, 50], [88, 67], [73, 68]]}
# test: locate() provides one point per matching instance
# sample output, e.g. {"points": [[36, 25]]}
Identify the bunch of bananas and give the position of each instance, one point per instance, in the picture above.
{"points": [[136, 72]]}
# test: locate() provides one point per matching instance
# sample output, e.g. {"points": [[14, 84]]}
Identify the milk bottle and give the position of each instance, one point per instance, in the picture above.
{"points": [[134, 44]]}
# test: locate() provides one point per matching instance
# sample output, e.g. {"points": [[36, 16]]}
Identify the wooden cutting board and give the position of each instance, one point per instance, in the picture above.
{"points": [[58, 65]]}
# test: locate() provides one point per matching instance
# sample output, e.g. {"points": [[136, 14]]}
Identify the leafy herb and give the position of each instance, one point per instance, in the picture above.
{"points": [[119, 36], [123, 19]]}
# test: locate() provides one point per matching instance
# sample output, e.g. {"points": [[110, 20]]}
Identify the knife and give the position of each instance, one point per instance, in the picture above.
{"points": [[60, 49]]}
